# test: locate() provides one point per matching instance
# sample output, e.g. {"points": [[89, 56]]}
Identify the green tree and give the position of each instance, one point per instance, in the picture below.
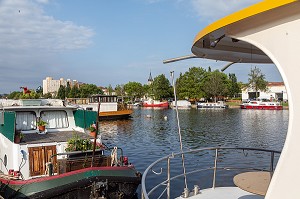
{"points": [[61, 93], [31, 95], [134, 89], [233, 87], [74, 92], [68, 90], [47, 96], [110, 90], [190, 83], [216, 84], [147, 89], [119, 89], [257, 80], [14, 95], [86, 90], [162, 88]]}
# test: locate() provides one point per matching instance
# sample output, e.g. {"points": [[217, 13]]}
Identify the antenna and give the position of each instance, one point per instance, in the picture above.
{"points": [[179, 132], [225, 67], [179, 58]]}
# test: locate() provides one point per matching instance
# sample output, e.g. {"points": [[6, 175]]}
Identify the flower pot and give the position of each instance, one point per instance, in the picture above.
{"points": [[17, 139], [93, 134], [42, 128]]}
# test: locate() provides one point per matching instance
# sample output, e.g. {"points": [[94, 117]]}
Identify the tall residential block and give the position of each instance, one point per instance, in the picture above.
{"points": [[51, 86]]}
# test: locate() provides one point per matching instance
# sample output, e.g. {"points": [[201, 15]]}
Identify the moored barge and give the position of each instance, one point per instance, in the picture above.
{"points": [[63, 161]]}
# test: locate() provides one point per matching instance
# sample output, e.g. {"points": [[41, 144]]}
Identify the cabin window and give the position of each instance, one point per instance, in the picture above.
{"points": [[103, 99], [25, 121], [55, 119], [95, 99]]}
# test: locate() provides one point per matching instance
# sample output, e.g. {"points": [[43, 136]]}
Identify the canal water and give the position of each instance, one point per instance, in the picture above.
{"points": [[152, 133]]}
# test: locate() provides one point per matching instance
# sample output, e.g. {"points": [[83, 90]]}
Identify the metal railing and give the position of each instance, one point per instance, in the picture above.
{"points": [[163, 186]]}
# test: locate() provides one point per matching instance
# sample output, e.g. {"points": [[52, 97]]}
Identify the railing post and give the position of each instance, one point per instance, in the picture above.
{"points": [[169, 182], [215, 168]]}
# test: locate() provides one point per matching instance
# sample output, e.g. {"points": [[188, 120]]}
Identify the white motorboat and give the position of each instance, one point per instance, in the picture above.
{"points": [[261, 105], [218, 105], [266, 32], [181, 104]]}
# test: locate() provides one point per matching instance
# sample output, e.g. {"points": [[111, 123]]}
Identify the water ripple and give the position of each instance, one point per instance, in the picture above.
{"points": [[148, 136]]}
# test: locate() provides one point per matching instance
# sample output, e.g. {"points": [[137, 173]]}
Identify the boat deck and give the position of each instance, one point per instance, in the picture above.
{"points": [[224, 192], [59, 136]]}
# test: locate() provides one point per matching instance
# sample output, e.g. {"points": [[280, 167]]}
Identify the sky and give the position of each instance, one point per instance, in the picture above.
{"points": [[106, 42]]}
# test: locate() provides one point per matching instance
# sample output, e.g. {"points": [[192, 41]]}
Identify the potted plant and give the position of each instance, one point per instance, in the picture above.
{"points": [[76, 143], [18, 137], [92, 130], [41, 125]]}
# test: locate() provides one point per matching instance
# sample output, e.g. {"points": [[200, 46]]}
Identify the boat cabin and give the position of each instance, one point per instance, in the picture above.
{"points": [[25, 148]]}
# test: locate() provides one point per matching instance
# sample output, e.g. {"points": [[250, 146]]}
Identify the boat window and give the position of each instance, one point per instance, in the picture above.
{"points": [[25, 120], [55, 119], [103, 99], [113, 99], [94, 99]]}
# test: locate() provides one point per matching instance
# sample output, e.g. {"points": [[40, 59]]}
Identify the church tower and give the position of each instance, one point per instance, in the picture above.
{"points": [[150, 80]]}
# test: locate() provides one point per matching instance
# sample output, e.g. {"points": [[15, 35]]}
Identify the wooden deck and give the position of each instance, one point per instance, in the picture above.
{"points": [[122, 114], [223, 193], [34, 138]]}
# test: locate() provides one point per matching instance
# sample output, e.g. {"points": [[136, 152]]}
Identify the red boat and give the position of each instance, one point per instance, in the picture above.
{"points": [[261, 105], [156, 103]]}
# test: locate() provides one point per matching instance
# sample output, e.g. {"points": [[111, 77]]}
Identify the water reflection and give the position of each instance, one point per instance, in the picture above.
{"points": [[148, 136]]}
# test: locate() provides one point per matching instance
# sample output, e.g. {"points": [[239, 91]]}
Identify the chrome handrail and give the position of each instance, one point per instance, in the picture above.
{"points": [[168, 158]]}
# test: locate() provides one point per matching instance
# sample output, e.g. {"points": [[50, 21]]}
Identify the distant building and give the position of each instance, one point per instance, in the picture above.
{"points": [[275, 91], [106, 91], [51, 86]]}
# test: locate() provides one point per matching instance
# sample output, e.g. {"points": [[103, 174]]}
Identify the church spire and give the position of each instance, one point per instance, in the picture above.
{"points": [[150, 80]]}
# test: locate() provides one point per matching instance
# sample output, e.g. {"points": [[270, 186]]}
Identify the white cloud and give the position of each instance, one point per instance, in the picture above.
{"points": [[215, 9], [42, 1], [32, 42], [24, 25]]}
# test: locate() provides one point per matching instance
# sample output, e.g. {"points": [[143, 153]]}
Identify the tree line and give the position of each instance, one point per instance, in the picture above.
{"points": [[195, 84], [82, 91]]}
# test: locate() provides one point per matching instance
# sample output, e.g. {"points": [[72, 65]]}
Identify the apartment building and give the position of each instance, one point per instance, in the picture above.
{"points": [[51, 86]]}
